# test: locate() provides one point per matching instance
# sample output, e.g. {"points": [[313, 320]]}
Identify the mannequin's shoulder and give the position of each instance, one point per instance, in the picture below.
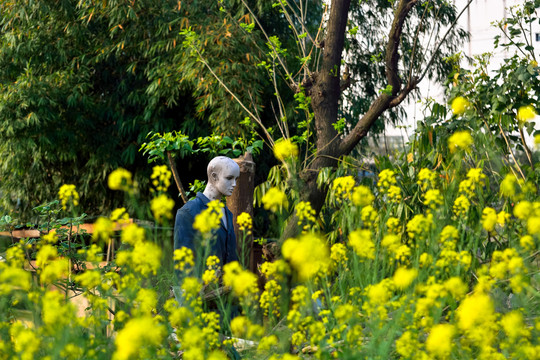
{"points": [[192, 207]]}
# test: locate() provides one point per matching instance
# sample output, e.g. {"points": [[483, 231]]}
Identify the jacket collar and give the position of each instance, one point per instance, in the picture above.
{"points": [[203, 198]]}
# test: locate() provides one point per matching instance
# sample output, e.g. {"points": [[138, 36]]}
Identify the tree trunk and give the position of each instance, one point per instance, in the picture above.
{"points": [[325, 95]]}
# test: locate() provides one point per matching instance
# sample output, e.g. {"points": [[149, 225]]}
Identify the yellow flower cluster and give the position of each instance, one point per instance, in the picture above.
{"points": [[183, 259], [274, 200], [404, 277], [120, 179], [144, 257], [103, 229], [285, 149], [209, 219], [161, 178], [461, 206], [433, 198], [162, 207], [508, 186], [308, 255], [475, 180], [507, 264], [135, 339], [394, 194], [419, 226], [342, 187], [526, 113], [460, 140], [276, 270], [369, 216], [304, 212], [338, 254], [270, 298], [242, 282], [426, 179], [68, 194], [362, 196], [245, 223], [529, 213], [459, 105], [119, 216], [51, 237], [387, 178], [210, 275], [362, 244]]}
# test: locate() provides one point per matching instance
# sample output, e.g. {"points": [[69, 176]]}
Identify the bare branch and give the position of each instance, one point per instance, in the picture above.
{"points": [[253, 116], [430, 62], [384, 101], [289, 77]]}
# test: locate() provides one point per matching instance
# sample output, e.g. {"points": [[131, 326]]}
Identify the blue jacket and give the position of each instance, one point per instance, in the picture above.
{"points": [[224, 244]]}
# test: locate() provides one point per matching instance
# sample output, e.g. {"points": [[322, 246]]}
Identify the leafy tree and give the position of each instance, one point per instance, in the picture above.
{"points": [[82, 83], [388, 47]]}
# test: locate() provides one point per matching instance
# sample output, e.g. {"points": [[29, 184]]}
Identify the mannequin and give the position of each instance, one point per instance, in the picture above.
{"points": [[222, 176]]}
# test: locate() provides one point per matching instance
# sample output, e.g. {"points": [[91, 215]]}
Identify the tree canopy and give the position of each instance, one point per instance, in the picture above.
{"points": [[83, 83]]}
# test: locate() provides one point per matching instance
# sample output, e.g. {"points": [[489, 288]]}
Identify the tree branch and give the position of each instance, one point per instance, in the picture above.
{"points": [[384, 101], [428, 65]]}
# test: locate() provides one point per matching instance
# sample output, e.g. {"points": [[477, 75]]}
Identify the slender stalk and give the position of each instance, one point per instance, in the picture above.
{"points": [[176, 177], [527, 150], [511, 151]]}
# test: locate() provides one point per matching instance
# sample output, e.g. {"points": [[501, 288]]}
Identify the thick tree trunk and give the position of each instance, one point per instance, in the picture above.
{"points": [[325, 95]]}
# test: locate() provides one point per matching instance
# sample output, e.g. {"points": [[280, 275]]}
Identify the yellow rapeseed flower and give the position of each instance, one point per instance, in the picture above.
{"points": [[161, 207], [459, 105], [404, 277], [68, 194], [489, 219], [210, 218], [120, 179], [137, 336], [387, 178], [523, 210], [363, 246], [243, 282], [461, 206], [338, 254], [526, 113], [245, 223], [161, 178], [13, 278], [285, 149], [51, 237], [308, 255], [304, 211], [343, 186], [461, 140], [533, 225], [475, 310], [426, 178], [433, 198], [274, 199], [362, 196], [119, 215], [439, 341], [26, 341], [183, 258], [103, 229], [456, 287], [508, 186], [89, 279], [514, 325]]}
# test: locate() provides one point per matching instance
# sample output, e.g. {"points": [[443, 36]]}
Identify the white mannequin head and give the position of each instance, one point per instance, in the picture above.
{"points": [[222, 176]]}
